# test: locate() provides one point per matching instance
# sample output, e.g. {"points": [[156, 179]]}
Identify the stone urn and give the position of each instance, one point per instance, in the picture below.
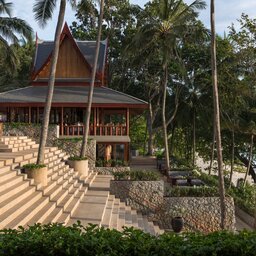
{"points": [[79, 165], [177, 224], [38, 173]]}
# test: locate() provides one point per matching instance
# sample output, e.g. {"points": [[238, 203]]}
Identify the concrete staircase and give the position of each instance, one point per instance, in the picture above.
{"points": [[67, 197]]}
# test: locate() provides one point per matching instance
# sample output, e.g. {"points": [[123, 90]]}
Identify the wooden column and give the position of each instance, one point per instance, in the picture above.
{"points": [[62, 121], [29, 115], [127, 121], [37, 116], [94, 121]]}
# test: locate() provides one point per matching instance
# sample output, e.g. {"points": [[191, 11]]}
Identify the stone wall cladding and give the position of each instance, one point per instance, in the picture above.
{"points": [[71, 146], [32, 131], [110, 170], [202, 213], [139, 194]]}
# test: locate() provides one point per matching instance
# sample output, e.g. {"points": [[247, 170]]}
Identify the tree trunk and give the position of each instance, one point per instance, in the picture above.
{"points": [[212, 149], [232, 157], [167, 161], [250, 160], [48, 100], [194, 139], [90, 95], [150, 130], [217, 118]]}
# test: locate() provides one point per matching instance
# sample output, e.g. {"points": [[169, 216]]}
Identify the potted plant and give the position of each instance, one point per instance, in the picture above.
{"points": [[38, 172], [177, 220], [80, 165]]}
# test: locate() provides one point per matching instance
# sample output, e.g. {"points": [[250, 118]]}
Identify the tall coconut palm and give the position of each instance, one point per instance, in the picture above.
{"points": [[43, 10], [90, 95], [10, 29], [169, 20], [217, 117]]}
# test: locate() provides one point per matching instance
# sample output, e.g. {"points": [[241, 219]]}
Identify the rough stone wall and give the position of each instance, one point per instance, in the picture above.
{"points": [[73, 147], [144, 196], [201, 213], [33, 131], [69, 145], [111, 170]]}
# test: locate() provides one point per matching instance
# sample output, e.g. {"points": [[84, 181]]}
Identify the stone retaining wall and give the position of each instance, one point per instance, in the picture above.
{"points": [[139, 194], [199, 213], [110, 170], [33, 131], [71, 146]]}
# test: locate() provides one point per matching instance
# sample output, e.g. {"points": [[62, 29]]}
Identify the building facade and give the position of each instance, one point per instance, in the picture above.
{"points": [[111, 110]]}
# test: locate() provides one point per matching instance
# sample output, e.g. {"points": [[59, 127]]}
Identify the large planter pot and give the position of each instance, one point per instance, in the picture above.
{"points": [[177, 224], [80, 166], [39, 175]]}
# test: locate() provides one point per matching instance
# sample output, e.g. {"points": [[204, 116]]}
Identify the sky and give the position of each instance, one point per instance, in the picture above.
{"points": [[227, 12]]}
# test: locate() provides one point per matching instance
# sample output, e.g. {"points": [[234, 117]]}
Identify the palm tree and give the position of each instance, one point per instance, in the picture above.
{"points": [[168, 22], [217, 117], [10, 27], [90, 95], [43, 10]]}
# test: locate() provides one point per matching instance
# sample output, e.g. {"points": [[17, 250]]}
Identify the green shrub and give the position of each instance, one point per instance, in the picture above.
{"points": [[77, 158], [55, 239], [243, 196], [202, 191], [136, 175], [33, 166]]}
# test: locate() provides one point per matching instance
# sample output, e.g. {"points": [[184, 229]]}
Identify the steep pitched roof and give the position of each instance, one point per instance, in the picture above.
{"points": [[86, 49]]}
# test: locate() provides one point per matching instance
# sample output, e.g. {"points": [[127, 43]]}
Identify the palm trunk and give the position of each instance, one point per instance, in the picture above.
{"points": [[48, 101], [167, 161], [150, 130], [212, 149], [194, 139], [232, 158], [250, 160], [217, 118], [90, 95]]}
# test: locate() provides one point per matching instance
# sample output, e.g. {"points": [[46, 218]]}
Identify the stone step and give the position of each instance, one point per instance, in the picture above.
{"points": [[28, 213], [108, 211], [17, 206], [13, 189], [10, 182]]}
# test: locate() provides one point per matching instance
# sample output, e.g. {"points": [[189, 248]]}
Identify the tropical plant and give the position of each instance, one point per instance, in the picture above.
{"points": [[90, 95], [169, 20], [10, 29], [217, 117], [43, 10]]}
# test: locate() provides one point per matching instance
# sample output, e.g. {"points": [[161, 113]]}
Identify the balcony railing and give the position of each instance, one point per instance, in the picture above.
{"points": [[100, 130]]}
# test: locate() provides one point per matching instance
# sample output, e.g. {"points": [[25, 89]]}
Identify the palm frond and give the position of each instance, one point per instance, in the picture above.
{"points": [[9, 27], [5, 7], [9, 56], [43, 10]]}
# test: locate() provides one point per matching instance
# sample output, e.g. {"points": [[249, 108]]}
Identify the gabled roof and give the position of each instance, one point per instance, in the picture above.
{"points": [[86, 49]]}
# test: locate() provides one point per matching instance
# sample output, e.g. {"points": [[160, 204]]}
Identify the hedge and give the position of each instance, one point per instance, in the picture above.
{"points": [[55, 239]]}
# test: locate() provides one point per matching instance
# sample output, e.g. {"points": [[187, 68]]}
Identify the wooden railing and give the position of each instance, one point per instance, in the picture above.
{"points": [[100, 130]]}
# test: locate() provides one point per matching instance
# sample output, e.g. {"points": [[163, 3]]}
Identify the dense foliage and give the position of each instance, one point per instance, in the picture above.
{"points": [[203, 191], [55, 239], [136, 175]]}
